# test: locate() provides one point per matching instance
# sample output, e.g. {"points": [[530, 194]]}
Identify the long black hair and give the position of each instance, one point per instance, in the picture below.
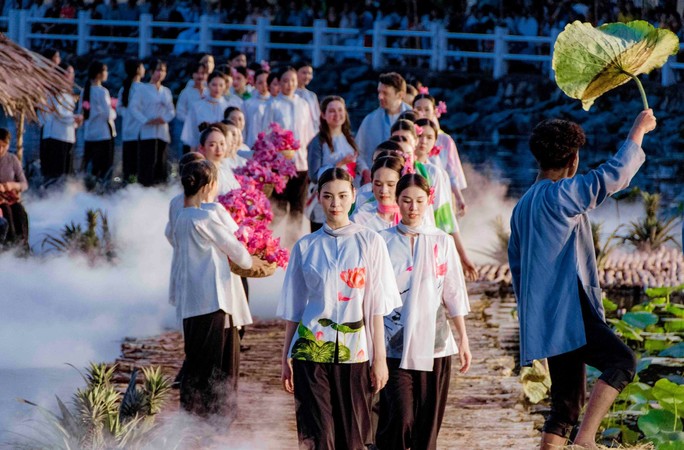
{"points": [[95, 68], [131, 67]]}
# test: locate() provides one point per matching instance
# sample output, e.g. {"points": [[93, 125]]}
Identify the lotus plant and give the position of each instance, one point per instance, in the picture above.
{"points": [[591, 61]]}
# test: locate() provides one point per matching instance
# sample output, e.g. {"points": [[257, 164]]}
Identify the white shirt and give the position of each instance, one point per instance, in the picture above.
{"points": [[448, 295], [255, 108], [234, 161], [331, 280], [60, 124], [188, 96], [234, 100], [449, 160], [148, 103], [292, 113], [130, 127], [371, 219], [226, 178], [100, 123], [311, 99], [208, 110], [202, 238]]}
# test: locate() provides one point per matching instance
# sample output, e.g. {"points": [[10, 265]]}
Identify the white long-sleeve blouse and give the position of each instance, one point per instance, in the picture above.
{"points": [[334, 285], [203, 242]]}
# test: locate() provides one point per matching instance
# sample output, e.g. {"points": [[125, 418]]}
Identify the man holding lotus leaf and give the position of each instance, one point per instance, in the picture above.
{"points": [[551, 251]]}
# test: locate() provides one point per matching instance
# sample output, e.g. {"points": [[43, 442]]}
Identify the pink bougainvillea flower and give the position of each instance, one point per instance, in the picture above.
{"points": [[423, 90], [86, 105], [431, 198], [419, 130], [265, 66], [114, 101], [435, 150], [319, 335], [354, 278], [410, 269], [342, 298]]}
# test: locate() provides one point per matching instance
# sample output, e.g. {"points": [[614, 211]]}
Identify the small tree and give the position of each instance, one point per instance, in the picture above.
{"points": [[73, 239], [603, 248], [651, 232], [499, 252], [103, 418]]}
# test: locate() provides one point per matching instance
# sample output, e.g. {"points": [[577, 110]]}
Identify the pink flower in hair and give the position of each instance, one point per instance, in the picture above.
{"points": [[419, 130], [441, 109], [86, 105], [424, 90], [435, 150], [431, 198], [408, 165], [265, 66]]}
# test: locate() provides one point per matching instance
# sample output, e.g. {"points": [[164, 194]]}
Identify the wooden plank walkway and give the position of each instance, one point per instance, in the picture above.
{"points": [[484, 409]]}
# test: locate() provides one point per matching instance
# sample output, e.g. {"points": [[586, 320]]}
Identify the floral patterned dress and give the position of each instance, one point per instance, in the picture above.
{"points": [[336, 281], [432, 288]]}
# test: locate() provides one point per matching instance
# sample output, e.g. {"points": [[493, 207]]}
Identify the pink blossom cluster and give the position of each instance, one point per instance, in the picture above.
{"points": [[259, 241], [251, 210], [267, 154], [261, 175], [248, 202]]}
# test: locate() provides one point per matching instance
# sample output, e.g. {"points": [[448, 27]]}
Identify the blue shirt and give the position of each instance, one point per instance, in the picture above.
{"points": [[551, 248], [375, 128]]}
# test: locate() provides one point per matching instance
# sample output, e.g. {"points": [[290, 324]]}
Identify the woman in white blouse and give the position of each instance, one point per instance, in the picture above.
{"points": [[382, 213], [152, 106], [333, 146], [58, 133], [418, 337], [209, 300], [338, 286], [130, 127], [98, 122], [194, 91], [209, 109], [213, 145]]}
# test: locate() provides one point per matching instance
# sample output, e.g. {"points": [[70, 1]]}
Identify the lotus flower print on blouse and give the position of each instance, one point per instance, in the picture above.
{"points": [[440, 269], [354, 278]]}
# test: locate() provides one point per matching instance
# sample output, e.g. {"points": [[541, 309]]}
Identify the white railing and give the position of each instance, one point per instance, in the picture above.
{"points": [[437, 46]]}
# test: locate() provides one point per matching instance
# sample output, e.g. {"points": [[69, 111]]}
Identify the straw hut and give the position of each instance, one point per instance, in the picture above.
{"points": [[27, 80]]}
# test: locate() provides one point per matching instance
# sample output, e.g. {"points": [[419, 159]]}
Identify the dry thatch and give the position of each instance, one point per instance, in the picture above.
{"points": [[27, 80]]}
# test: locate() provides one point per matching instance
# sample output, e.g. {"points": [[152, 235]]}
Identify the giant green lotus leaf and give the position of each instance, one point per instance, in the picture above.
{"points": [[591, 61]]}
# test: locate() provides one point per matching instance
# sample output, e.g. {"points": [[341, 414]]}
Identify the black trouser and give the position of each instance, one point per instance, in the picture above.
{"points": [[56, 158], [332, 403], [294, 193], [245, 286], [17, 224], [412, 406], [101, 155], [152, 158], [605, 351], [209, 380], [129, 159]]}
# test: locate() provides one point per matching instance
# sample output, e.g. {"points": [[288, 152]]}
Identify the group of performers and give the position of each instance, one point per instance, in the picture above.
{"points": [[372, 294]]}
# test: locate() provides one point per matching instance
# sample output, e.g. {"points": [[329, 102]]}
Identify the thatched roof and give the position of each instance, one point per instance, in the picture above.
{"points": [[27, 80]]}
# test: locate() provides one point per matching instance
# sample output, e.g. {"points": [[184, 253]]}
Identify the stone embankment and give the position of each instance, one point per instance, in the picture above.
{"points": [[485, 408], [662, 268]]}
